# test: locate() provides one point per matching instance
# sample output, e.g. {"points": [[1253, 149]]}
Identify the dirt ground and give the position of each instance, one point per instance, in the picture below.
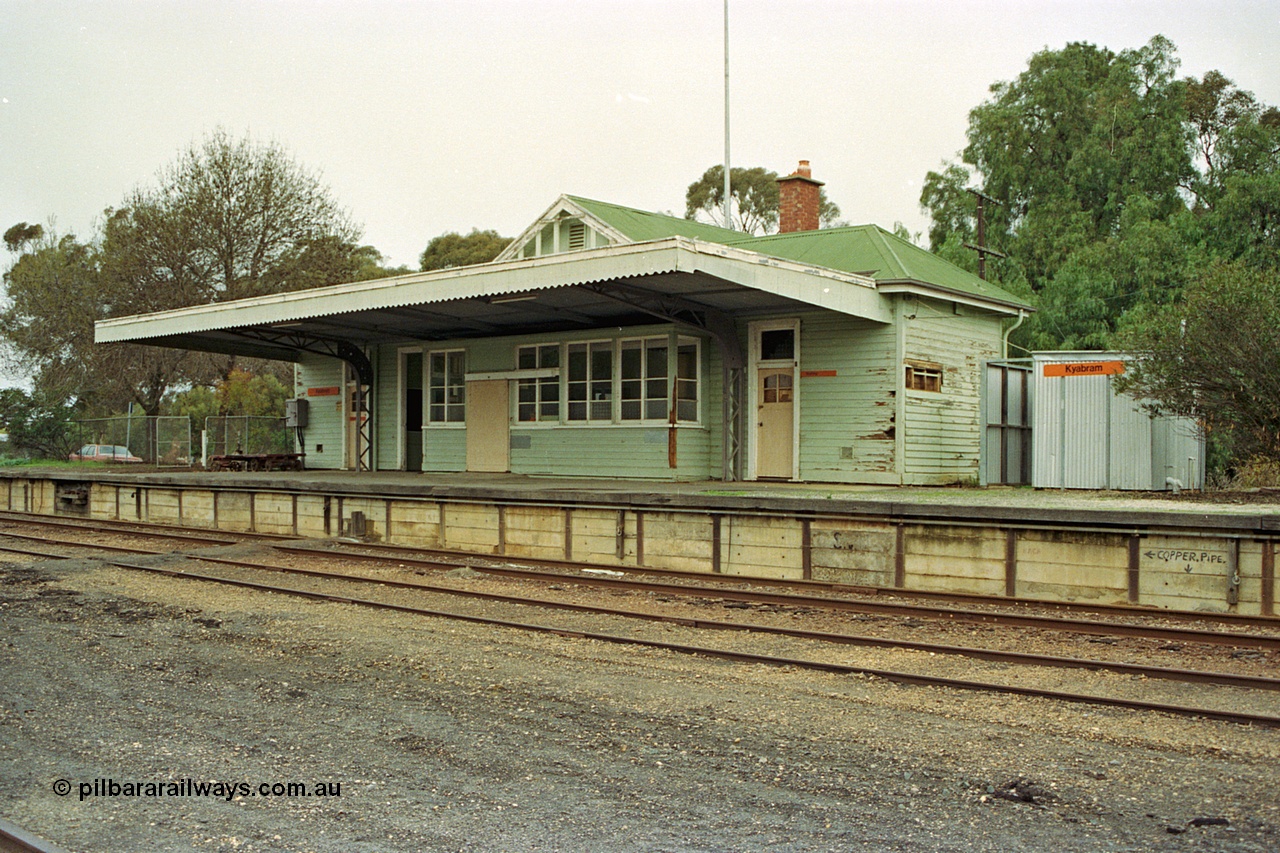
{"points": [[434, 735]]}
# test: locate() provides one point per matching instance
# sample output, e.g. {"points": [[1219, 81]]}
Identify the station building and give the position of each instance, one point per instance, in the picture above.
{"points": [[612, 342]]}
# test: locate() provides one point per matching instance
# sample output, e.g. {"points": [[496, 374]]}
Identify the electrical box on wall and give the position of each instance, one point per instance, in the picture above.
{"points": [[295, 413]]}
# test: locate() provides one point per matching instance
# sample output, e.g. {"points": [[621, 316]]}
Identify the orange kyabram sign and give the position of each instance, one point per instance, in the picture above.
{"points": [[1084, 368]]}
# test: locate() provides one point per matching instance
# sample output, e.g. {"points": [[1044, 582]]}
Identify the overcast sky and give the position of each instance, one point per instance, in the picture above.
{"points": [[425, 117]]}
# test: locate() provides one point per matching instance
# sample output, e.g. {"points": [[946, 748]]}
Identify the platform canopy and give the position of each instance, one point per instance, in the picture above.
{"points": [[677, 279]]}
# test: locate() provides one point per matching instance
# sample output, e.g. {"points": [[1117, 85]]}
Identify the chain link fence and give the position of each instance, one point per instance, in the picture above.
{"points": [[153, 440], [166, 441], [241, 434]]}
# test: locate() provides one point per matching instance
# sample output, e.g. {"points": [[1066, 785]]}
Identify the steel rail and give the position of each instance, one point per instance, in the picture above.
{"points": [[728, 654], [459, 559], [15, 839], [29, 552], [992, 655], [129, 528], [5, 534], [1022, 620], [203, 535], [1024, 658]]}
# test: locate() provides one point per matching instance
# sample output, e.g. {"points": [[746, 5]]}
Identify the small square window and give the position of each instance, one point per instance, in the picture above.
{"points": [[923, 376]]}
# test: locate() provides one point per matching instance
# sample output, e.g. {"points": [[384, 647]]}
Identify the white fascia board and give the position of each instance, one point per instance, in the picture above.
{"points": [[473, 282], [842, 292], [845, 293]]}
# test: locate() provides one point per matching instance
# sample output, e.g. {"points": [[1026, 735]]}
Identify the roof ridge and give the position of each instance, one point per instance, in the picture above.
{"points": [[866, 248], [726, 234]]}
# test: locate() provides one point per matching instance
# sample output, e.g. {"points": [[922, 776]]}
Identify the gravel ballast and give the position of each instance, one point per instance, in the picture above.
{"points": [[451, 737]]}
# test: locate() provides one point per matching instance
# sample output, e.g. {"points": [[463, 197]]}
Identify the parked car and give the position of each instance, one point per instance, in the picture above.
{"points": [[103, 453]]}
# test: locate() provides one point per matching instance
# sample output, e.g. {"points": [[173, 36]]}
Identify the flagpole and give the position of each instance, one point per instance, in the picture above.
{"points": [[728, 198]]}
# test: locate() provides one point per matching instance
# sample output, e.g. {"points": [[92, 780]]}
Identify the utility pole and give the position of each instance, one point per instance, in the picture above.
{"points": [[981, 248]]}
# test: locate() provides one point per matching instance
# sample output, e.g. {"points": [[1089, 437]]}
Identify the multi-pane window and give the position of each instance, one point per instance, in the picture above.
{"points": [[644, 379], [687, 381], [923, 376], [447, 388], [589, 388], [538, 399], [777, 388], [610, 381]]}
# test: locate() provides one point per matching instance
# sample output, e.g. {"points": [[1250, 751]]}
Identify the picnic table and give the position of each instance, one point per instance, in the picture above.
{"points": [[256, 462]]}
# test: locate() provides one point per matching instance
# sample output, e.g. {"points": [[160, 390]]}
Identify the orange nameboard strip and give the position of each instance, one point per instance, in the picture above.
{"points": [[1086, 368], [806, 374], [331, 391]]}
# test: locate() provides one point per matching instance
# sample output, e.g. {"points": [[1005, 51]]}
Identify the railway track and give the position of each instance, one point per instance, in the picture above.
{"points": [[512, 569], [695, 584], [535, 569], [14, 839], [812, 637]]}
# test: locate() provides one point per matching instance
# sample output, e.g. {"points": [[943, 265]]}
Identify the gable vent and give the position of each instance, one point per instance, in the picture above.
{"points": [[577, 236]]}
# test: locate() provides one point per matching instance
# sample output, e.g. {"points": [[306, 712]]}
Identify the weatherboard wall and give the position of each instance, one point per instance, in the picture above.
{"points": [[846, 398], [547, 449], [324, 434], [941, 430], [856, 423]]}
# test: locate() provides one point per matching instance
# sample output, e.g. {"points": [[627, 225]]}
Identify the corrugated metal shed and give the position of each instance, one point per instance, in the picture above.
{"points": [[1087, 436]]}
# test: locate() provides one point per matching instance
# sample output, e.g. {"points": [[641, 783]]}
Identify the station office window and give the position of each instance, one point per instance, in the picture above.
{"points": [[687, 362], [590, 382], [447, 388], [923, 376], [624, 381], [538, 399]]}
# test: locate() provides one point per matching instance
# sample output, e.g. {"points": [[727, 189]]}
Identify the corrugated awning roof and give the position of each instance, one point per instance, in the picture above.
{"points": [[551, 293]]}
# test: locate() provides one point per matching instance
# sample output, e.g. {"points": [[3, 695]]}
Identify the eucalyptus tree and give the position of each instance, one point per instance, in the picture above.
{"points": [[755, 200], [452, 249]]}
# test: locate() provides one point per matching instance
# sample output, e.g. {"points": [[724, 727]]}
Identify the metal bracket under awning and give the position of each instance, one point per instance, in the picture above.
{"points": [[340, 349]]}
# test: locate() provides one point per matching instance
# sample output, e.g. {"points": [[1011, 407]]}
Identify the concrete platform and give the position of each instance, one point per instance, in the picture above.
{"points": [[1182, 553], [1013, 503]]}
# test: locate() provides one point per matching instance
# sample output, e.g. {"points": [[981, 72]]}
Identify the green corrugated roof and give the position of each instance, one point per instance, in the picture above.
{"points": [[642, 225], [872, 250], [866, 249]]}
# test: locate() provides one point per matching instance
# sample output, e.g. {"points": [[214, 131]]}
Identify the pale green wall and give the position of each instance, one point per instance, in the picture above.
{"points": [[616, 450], [386, 407], [446, 449], [325, 417], [852, 413], [620, 451], [942, 440], [849, 422]]}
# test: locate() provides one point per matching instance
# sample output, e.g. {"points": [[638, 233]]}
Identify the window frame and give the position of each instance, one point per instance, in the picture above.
{"points": [[918, 376], [541, 386], [590, 384], [459, 387], [672, 383]]}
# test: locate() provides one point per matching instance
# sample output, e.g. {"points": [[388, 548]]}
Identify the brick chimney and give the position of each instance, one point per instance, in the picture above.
{"points": [[798, 201]]}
